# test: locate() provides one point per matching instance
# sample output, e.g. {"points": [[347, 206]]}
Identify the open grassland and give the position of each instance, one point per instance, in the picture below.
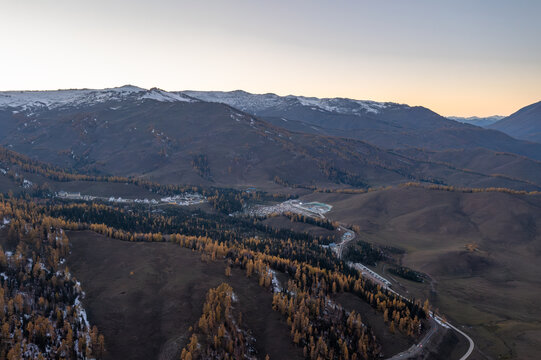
{"points": [[145, 296], [494, 296], [282, 222]]}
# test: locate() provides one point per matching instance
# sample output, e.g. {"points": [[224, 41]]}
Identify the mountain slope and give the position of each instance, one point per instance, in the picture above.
{"points": [[388, 125], [179, 141], [483, 161], [524, 124], [173, 138]]}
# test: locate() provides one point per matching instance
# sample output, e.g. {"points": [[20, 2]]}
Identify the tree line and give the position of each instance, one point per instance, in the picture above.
{"points": [[315, 273], [41, 314]]}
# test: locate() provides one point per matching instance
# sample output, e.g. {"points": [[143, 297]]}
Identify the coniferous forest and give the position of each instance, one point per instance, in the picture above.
{"points": [[41, 302]]}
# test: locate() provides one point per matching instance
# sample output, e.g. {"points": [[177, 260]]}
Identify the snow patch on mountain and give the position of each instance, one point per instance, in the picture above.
{"points": [[478, 121], [256, 103], [164, 96], [37, 100], [238, 99], [343, 105]]}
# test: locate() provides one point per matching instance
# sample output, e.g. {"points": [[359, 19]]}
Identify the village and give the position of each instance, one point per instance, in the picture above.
{"points": [[184, 199]]}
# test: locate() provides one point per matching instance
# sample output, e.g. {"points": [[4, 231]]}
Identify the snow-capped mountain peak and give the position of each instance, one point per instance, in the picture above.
{"points": [[51, 99], [127, 88], [256, 103], [343, 105], [164, 96]]}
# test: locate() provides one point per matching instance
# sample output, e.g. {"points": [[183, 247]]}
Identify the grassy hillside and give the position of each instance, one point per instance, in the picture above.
{"points": [[497, 164], [481, 250], [146, 296], [163, 286]]}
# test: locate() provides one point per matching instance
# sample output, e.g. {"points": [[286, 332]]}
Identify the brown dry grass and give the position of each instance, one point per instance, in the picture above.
{"points": [[145, 296], [494, 291]]}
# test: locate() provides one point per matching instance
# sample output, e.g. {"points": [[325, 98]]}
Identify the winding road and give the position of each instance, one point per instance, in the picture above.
{"points": [[471, 347], [416, 349], [347, 237], [435, 321]]}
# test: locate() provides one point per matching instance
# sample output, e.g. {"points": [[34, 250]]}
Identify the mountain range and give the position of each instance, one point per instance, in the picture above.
{"points": [[387, 125], [237, 138], [525, 124], [477, 121]]}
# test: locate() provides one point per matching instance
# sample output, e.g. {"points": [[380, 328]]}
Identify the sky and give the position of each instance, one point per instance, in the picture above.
{"points": [[459, 57]]}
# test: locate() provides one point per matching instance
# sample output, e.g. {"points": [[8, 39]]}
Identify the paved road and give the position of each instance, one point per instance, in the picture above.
{"points": [[417, 349], [347, 236], [435, 321], [470, 349]]}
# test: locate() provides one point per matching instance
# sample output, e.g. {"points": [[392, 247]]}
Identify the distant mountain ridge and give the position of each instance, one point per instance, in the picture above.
{"points": [[524, 124], [256, 103], [349, 114], [51, 99], [477, 121], [384, 124]]}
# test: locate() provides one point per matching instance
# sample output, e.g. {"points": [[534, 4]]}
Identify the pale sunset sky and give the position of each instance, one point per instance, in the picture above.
{"points": [[460, 57]]}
